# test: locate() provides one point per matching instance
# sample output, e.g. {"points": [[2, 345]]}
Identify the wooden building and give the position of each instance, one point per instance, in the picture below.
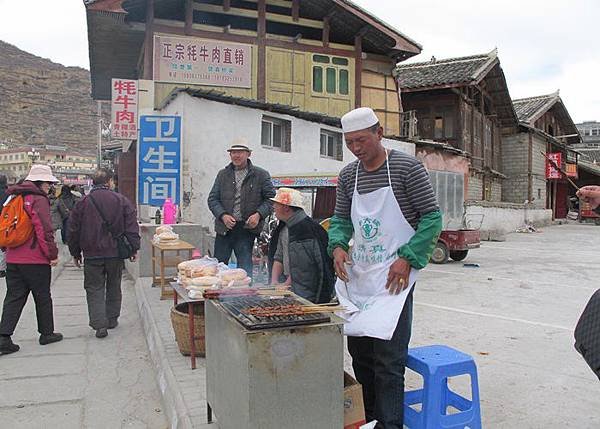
{"points": [[324, 56], [545, 126], [462, 102]]}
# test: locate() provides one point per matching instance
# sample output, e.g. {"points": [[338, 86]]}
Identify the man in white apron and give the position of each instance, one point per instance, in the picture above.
{"points": [[386, 204]]}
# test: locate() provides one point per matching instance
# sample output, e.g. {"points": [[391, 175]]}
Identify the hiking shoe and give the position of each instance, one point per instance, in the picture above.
{"points": [[7, 346], [101, 333], [54, 337], [112, 324]]}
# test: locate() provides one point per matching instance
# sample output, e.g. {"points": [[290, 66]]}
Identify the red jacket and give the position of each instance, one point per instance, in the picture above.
{"points": [[40, 248]]}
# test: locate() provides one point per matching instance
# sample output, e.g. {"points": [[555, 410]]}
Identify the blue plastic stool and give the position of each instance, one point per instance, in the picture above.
{"points": [[436, 364]]}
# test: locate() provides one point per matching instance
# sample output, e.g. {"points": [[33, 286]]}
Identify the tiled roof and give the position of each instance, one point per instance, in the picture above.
{"points": [[531, 107], [446, 72]]}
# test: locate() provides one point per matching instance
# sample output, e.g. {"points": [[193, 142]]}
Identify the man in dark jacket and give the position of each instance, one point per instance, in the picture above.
{"points": [[239, 200], [301, 250], [94, 223]]}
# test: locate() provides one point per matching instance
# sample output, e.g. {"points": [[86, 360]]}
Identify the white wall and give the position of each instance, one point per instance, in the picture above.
{"points": [[209, 127], [504, 218]]}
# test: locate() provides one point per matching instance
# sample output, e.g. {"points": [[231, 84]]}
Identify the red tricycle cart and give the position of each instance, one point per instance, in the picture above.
{"points": [[455, 244]]}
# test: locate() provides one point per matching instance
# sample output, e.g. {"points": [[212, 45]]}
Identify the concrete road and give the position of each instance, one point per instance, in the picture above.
{"points": [[516, 314], [81, 382]]}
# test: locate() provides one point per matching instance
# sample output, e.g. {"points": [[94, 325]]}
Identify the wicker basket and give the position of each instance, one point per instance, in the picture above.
{"points": [[180, 321]]}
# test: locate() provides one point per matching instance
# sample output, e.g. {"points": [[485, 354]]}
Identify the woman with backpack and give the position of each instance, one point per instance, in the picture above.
{"points": [[30, 254], [64, 204]]}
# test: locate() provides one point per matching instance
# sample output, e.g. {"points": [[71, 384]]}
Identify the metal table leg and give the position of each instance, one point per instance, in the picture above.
{"points": [[192, 334], [209, 416]]}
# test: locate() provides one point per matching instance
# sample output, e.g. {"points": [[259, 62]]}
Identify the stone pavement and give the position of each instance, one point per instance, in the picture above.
{"points": [[80, 382], [183, 389]]}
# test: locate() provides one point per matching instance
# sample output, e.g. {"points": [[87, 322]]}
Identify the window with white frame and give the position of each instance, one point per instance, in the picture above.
{"points": [[331, 145], [276, 134]]}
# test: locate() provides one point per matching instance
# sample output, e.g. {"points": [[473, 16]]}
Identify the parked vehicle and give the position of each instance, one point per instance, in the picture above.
{"points": [[455, 244], [586, 212]]}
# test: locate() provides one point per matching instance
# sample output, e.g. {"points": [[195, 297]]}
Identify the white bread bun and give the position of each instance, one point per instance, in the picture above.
{"points": [[163, 228], [205, 281], [206, 270], [235, 274]]}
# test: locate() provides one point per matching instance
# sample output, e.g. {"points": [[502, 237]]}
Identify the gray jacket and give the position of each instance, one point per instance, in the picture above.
{"points": [[257, 188]]}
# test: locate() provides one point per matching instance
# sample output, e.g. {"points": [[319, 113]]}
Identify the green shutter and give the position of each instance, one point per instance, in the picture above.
{"points": [[331, 80], [317, 79], [344, 82]]}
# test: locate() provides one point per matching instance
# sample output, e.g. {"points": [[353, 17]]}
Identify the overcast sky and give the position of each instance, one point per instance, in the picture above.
{"points": [[543, 45]]}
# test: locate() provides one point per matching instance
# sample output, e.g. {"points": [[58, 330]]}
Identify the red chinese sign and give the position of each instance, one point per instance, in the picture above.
{"points": [[202, 62], [551, 171], [124, 103]]}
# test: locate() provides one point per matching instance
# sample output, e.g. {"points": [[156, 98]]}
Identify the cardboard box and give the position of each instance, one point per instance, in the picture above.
{"points": [[354, 407]]}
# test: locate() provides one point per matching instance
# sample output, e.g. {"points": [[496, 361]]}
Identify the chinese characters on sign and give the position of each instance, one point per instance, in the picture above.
{"points": [[571, 170], [159, 160], [124, 103], [551, 171], [202, 62]]}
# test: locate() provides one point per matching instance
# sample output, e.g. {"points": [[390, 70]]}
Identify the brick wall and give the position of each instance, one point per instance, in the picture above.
{"points": [[475, 188], [515, 153]]}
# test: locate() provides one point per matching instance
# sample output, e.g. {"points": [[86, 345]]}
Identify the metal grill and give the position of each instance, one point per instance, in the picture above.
{"points": [[236, 306]]}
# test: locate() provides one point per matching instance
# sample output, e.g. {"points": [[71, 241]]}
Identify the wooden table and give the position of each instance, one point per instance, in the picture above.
{"points": [[163, 262], [179, 292]]}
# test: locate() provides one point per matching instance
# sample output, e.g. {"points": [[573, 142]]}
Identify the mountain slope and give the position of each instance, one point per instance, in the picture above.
{"points": [[45, 103]]}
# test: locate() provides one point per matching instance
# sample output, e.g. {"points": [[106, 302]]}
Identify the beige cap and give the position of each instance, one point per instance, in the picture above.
{"points": [[359, 119], [289, 197], [239, 143], [41, 173]]}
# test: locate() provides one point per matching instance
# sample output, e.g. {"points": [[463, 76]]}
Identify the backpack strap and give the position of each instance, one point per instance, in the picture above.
{"points": [[104, 221]]}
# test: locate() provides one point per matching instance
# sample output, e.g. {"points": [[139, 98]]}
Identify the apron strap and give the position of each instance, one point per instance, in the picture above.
{"points": [[387, 164]]}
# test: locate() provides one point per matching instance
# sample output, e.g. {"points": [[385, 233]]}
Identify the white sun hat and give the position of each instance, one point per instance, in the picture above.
{"points": [[289, 197], [41, 173], [359, 119]]}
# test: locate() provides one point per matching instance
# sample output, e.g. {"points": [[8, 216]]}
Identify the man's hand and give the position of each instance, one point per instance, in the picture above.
{"points": [[590, 194], [228, 220], [54, 262], [133, 258], [253, 221], [397, 279], [77, 262], [340, 259]]}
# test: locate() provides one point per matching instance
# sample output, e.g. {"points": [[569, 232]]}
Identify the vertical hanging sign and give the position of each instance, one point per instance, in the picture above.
{"points": [[124, 109], [159, 160]]}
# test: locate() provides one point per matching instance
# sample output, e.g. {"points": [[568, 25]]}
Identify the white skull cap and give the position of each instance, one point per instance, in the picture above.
{"points": [[359, 119]]}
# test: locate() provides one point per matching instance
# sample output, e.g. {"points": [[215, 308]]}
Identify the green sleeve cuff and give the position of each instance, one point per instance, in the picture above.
{"points": [[419, 248], [340, 232]]}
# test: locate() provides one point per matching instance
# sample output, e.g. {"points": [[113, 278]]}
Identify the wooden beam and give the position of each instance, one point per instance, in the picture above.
{"points": [[189, 16], [358, 71], [326, 28], [261, 84], [204, 34], [226, 5], [149, 41], [295, 10]]}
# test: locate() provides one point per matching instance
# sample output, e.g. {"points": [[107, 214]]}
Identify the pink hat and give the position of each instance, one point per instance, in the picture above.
{"points": [[41, 173]]}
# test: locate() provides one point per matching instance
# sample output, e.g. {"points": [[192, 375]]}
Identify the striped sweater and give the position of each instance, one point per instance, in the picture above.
{"points": [[410, 183]]}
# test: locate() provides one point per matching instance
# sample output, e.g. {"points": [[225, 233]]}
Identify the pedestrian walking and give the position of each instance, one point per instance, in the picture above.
{"points": [[239, 200], [3, 197], [99, 225], [29, 262], [385, 202], [64, 204]]}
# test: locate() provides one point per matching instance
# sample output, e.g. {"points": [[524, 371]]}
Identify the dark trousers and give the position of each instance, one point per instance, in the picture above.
{"points": [[379, 367], [63, 230], [20, 280], [102, 283], [240, 241]]}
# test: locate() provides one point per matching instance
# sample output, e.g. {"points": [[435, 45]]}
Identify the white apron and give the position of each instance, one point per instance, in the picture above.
{"points": [[380, 229]]}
